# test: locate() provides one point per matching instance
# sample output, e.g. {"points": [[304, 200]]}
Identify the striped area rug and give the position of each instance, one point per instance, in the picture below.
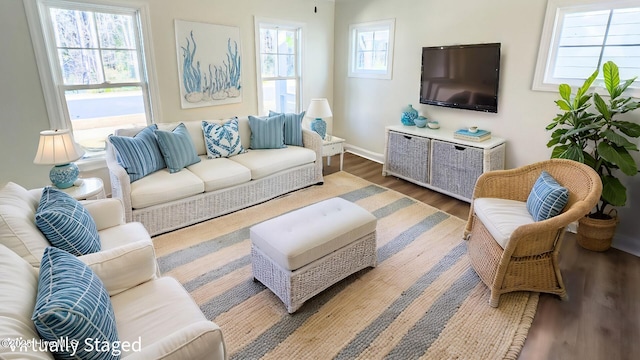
{"points": [[423, 300]]}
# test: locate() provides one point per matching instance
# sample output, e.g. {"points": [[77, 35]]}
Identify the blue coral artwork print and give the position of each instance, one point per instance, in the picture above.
{"points": [[209, 64]]}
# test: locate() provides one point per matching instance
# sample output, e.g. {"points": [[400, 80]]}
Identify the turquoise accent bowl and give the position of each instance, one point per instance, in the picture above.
{"points": [[420, 122]]}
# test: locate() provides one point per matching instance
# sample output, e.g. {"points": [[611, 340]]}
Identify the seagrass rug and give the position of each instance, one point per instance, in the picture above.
{"points": [[423, 300]]}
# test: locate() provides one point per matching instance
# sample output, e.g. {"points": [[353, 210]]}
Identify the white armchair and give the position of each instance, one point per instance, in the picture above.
{"points": [[156, 311]]}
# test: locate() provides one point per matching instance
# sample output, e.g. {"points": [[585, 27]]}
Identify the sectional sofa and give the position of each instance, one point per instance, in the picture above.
{"points": [[165, 201]]}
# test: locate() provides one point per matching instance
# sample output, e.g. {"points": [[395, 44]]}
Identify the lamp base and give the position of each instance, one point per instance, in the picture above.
{"points": [[320, 126], [63, 176]]}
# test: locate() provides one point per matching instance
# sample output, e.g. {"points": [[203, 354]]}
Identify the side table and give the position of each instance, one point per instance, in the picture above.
{"points": [[333, 145], [87, 189]]}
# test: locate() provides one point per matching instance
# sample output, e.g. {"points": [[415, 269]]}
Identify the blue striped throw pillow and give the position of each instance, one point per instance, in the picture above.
{"points": [[222, 140], [177, 148], [66, 223], [292, 127], [267, 132], [73, 305], [139, 155], [547, 198]]}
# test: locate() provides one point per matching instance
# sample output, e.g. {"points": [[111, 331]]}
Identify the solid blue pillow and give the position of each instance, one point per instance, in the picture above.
{"points": [[547, 198], [73, 305], [292, 127], [222, 140], [139, 155], [267, 132], [177, 148], [66, 223]]}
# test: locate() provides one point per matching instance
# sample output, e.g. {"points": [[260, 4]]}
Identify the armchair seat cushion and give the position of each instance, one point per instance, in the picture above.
{"points": [[501, 217], [169, 319]]}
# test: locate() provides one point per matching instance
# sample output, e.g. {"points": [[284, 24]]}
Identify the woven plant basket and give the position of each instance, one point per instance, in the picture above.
{"points": [[596, 234]]}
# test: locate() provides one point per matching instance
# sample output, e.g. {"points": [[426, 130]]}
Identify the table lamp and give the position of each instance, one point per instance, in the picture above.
{"points": [[56, 147], [319, 109]]}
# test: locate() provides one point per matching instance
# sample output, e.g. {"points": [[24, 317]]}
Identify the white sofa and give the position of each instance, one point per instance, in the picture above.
{"points": [[156, 310], [165, 201]]}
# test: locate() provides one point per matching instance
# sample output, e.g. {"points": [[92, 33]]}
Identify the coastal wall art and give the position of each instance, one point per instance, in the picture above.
{"points": [[209, 64]]}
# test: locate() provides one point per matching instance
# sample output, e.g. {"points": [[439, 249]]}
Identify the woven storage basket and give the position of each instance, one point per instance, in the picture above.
{"points": [[596, 234]]}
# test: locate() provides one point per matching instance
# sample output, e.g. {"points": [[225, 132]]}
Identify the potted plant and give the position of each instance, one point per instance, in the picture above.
{"points": [[601, 141]]}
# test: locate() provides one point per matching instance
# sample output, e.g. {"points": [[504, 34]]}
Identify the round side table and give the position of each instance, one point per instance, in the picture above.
{"points": [[87, 189]]}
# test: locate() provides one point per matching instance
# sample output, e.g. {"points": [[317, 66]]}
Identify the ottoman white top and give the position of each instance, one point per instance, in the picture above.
{"points": [[300, 237]]}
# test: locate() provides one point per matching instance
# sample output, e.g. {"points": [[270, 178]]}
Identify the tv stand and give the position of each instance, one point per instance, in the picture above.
{"points": [[433, 158]]}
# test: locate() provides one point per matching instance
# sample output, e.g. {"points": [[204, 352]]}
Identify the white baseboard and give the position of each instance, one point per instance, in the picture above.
{"points": [[377, 157], [627, 244]]}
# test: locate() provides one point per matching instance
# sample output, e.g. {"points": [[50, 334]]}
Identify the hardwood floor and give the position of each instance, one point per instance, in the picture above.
{"points": [[601, 319]]}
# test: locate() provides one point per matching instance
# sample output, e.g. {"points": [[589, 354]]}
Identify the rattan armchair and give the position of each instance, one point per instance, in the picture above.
{"points": [[529, 261]]}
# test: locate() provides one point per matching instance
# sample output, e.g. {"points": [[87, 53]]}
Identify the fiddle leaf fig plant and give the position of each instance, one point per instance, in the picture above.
{"points": [[597, 138]]}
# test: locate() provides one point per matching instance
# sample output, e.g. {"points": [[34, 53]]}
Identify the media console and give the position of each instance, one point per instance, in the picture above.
{"points": [[433, 158]]}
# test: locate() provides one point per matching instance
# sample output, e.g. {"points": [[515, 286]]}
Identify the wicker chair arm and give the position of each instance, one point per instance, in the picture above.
{"points": [[120, 182], [313, 141]]}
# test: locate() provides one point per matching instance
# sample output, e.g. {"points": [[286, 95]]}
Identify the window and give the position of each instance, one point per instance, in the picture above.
{"points": [[577, 40], [278, 48], [371, 49], [92, 66]]}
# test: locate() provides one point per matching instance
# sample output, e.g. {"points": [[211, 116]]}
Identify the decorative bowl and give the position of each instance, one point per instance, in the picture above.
{"points": [[420, 122], [473, 129], [433, 125]]}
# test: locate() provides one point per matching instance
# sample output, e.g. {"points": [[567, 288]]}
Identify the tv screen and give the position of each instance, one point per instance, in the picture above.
{"points": [[461, 76]]}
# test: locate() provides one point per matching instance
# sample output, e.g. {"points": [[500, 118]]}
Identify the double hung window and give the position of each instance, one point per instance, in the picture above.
{"points": [[278, 49], [93, 68]]}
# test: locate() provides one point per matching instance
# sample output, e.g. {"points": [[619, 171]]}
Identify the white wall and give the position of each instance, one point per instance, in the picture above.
{"points": [[363, 107], [22, 108]]}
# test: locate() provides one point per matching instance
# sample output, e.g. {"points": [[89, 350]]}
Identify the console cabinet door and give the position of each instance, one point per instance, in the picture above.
{"points": [[408, 156], [455, 168]]}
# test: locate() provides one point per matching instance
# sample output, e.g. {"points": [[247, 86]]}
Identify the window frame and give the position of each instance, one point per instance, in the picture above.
{"points": [[549, 42], [45, 51], [354, 29], [300, 29]]}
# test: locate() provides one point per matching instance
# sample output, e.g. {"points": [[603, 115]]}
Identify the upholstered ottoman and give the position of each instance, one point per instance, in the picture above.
{"points": [[301, 253]]}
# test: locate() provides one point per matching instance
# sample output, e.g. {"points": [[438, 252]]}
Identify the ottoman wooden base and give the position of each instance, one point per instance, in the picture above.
{"points": [[296, 287]]}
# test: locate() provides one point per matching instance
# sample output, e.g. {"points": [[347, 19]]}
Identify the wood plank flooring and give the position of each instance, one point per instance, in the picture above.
{"points": [[601, 319]]}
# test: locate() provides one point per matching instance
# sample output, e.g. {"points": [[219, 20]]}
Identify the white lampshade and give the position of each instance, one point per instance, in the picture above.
{"points": [[56, 147], [319, 108]]}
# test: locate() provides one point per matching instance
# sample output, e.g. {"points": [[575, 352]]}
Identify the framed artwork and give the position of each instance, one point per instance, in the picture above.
{"points": [[209, 64]]}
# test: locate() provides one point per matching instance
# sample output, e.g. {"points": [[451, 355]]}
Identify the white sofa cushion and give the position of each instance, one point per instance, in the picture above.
{"points": [[265, 162], [162, 187], [501, 217], [170, 321], [220, 173], [18, 230], [18, 289]]}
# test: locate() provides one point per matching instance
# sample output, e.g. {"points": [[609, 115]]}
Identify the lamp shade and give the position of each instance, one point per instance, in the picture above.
{"points": [[319, 108], [56, 147]]}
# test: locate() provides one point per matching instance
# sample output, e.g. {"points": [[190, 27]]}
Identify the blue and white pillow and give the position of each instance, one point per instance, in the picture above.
{"points": [[547, 198], [222, 140], [292, 127], [139, 155], [177, 148], [72, 304], [267, 132], [66, 223]]}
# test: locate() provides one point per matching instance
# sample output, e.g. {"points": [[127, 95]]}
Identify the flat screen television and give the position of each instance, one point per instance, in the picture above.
{"points": [[461, 76]]}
